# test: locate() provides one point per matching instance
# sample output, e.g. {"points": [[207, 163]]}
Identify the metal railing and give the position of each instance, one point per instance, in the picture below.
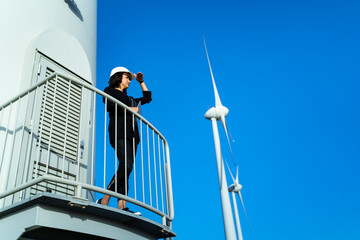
{"points": [[38, 152]]}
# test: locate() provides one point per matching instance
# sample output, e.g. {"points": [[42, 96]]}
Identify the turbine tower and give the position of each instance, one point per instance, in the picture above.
{"points": [[219, 112]]}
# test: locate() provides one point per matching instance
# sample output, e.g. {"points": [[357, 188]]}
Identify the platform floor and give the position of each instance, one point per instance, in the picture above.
{"points": [[50, 216]]}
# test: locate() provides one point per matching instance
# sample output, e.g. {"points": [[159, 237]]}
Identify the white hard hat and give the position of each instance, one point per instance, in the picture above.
{"points": [[122, 69]]}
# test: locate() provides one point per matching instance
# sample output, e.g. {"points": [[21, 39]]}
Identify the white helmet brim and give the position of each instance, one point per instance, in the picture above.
{"points": [[123, 70]]}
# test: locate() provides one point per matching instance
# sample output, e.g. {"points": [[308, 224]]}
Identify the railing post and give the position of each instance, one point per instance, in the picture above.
{"points": [[106, 101], [79, 145], [134, 153], [6, 134], [93, 141], [169, 182], [22, 133], [163, 220], [125, 152], [142, 162], [37, 159], [116, 146], [161, 179], [156, 189], [30, 141], [148, 147], [165, 179], [66, 126], [51, 126], [78, 191]]}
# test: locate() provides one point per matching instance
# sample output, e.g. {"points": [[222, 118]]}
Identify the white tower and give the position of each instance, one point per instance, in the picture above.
{"points": [[41, 37], [63, 31], [47, 129]]}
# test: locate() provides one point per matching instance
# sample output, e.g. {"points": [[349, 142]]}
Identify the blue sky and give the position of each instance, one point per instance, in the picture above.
{"points": [[289, 73]]}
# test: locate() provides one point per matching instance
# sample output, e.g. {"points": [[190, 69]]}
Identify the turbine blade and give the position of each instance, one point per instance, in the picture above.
{"points": [[237, 174], [242, 203], [230, 171], [217, 98], [231, 137], [223, 122]]}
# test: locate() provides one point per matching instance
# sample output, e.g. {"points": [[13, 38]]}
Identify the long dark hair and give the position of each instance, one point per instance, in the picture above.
{"points": [[115, 80]]}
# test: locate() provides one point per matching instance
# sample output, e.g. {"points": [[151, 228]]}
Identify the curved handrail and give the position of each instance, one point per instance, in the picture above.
{"points": [[86, 85]]}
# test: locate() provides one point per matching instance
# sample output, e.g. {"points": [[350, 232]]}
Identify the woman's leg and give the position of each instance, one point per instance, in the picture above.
{"points": [[121, 204], [105, 200], [122, 180]]}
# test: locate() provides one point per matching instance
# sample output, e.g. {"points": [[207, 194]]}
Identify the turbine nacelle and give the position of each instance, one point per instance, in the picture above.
{"points": [[217, 112], [236, 187]]}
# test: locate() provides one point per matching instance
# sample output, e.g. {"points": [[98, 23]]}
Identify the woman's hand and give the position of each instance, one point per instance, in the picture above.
{"points": [[139, 77], [136, 109]]}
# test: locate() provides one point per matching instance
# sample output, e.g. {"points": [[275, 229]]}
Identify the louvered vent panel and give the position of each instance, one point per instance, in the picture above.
{"points": [[60, 117], [58, 188]]}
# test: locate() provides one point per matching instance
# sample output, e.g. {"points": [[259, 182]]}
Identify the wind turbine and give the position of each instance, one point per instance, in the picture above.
{"points": [[236, 188], [219, 112]]}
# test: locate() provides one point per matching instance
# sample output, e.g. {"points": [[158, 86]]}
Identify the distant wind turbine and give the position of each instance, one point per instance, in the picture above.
{"points": [[236, 188], [219, 112]]}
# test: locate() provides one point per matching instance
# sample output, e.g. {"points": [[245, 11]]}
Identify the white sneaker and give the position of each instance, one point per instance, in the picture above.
{"points": [[128, 210]]}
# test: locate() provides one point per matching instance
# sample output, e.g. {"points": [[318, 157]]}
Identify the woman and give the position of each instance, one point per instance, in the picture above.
{"points": [[123, 129]]}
